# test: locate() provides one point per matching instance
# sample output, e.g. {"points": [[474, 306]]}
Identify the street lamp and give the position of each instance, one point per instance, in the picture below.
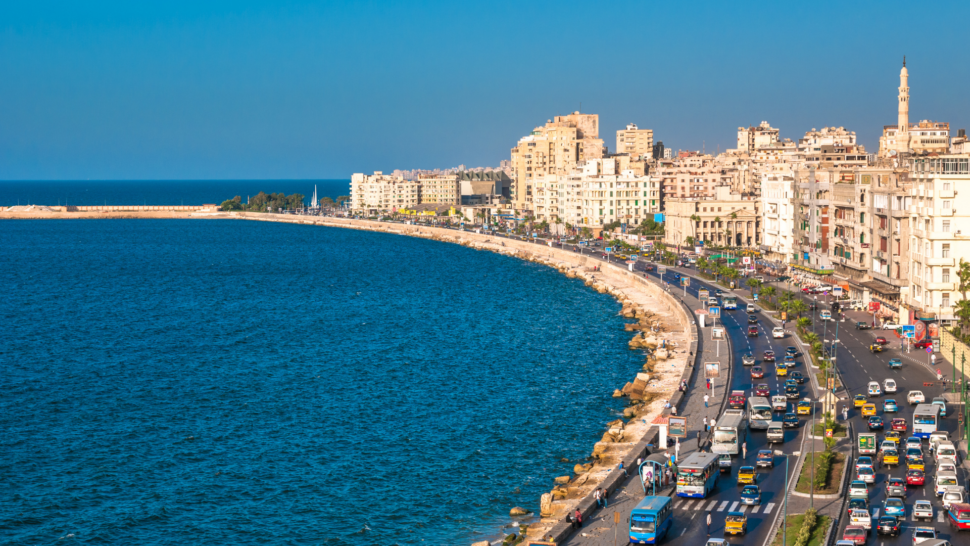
{"points": [[784, 523]]}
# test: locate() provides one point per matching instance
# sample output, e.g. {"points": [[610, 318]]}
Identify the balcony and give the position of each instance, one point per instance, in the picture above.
{"points": [[945, 262], [947, 286], [944, 212], [899, 213], [945, 194], [942, 235]]}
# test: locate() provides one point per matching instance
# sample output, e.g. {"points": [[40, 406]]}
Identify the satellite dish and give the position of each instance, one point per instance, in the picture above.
{"points": [[892, 153]]}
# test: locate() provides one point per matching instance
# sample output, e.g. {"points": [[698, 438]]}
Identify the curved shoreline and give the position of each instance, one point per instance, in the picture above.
{"points": [[642, 300]]}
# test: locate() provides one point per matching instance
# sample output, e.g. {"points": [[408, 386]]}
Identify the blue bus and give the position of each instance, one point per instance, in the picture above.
{"points": [[697, 475], [650, 520]]}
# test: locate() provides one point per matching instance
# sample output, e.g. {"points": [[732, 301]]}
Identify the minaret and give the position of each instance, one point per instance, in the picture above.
{"points": [[902, 136]]}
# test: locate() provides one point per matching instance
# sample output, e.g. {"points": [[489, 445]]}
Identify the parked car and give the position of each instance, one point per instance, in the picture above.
{"points": [[889, 406], [923, 344], [757, 372], [861, 325]]}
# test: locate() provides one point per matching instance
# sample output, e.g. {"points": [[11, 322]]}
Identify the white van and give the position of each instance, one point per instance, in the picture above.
{"points": [[953, 495], [751, 308], [825, 315], [946, 451], [939, 437], [946, 466], [944, 480]]}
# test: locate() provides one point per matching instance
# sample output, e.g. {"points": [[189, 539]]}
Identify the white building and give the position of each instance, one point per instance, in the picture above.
{"points": [[778, 216]]}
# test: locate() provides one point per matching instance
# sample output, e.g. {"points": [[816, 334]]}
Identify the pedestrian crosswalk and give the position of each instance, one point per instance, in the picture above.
{"points": [[735, 506]]}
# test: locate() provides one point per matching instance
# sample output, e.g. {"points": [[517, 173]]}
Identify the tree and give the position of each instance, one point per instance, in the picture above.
{"points": [[753, 284], [689, 241], [694, 220], [232, 204], [342, 200], [767, 292], [803, 323], [963, 306], [326, 202], [798, 307]]}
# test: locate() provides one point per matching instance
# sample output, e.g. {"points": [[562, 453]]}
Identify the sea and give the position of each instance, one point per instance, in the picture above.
{"points": [[232, 382]]}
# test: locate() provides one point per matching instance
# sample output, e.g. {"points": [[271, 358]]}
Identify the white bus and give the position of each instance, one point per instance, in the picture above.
{"points": [[697, 475], [924, 420], [730, 302], [729, 433], [759, 412]]}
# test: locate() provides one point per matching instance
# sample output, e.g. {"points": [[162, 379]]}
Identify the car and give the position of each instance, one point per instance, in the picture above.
{"points": [[954, 495], [915, 477], [765, 459], [778, 332], [866, 474], [724, 462], [789, 361], [858, 503], [894, 507], [914, 442], [880, 341], [941, 402], [893, 436], [757, 372], [860, 518], [792, 392], [888, 525], [914, 460], [890, 457], [747, 360], [874, 389], [895, 363], [798, 377], [887, 444], [676, 276], [737, 399], [736, 523], [768, 356], [718, 292], [781, 369], [875, 348], [804, 407], [923, 344], [751, 308], [790, 421], [752, 319], [753, 331], [889, 406], [746, 475], [775, 433], [875, 423], [922, 534], [915, 397], [751, 494], [854, 534], [859, 400], [862, 461], [868, 410], [899, 425], [862, 325], [762, 389], [791, 351], [859, 488], [896, 487], [889, 386]]}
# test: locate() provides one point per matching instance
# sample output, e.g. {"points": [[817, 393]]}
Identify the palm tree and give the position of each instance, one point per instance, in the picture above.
{"points": [[694, 220], [717, 221], [753, 284], [767, 292], [803, 323], [798, 307]]}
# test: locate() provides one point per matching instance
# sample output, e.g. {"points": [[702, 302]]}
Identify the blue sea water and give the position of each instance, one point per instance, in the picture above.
{"points": [[214, 382], [156, 192]]}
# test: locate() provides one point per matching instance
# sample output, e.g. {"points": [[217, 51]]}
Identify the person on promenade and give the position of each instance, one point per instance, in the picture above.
{"points": [[708, 524], [705, 424], [744, 450], [706, 398], [673, 410], [712, 423], [578, 519], [598, 495]]}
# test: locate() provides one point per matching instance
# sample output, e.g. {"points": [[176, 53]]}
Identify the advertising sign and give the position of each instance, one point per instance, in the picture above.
{"points": [[755, 297], [703, 294], [712, 370], [677, 427], [874, 306], [685, 281], [908, 330], [661, 270], [714, 311], [920, 330], [837, 291], [717, 333], [828, 433], [746, 260]]}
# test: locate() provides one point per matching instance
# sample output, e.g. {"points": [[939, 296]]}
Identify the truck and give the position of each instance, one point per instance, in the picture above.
{"points": [[867, 444], [779, 403]]}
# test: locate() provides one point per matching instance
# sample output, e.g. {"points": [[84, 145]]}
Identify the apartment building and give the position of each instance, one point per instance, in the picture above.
{"points": [[778, 211], [373, 194], [635, 142], [813, 193], [755, 138], [553, 149], [726, 219], [693, 176], [940, 234], [439, 189]]}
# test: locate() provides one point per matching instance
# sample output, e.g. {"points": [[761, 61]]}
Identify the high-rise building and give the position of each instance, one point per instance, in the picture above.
{"points": [[553, 149], [916, 138], [755, 138], [635, 142], [658, 150]]}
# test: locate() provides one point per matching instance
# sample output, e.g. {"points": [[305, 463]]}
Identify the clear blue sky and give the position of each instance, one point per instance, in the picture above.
{"points": [[289, 89]]}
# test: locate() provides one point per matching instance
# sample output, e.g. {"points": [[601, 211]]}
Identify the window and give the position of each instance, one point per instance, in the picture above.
{"points": [[946, 250], [862, 218], [946, 275], [883, 244], [946, 204], [946, 226], [947, 186], [945, 300]]}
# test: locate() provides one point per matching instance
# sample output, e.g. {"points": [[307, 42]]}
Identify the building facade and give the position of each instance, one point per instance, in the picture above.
{"points": [[727, 219], [635, 142]]}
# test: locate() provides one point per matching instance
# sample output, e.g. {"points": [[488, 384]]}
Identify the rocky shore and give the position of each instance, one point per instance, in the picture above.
{"points": [[661, 328]]}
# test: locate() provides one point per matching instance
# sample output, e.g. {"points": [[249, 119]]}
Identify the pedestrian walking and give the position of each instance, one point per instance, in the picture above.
{"points": [[706, 398], [744, 450], [712, 423], [673, 410], [708, 524], [705, 424], [845, 413], [933, 359], [598, 495]]}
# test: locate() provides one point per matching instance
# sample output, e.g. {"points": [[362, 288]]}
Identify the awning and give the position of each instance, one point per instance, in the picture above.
{"points": [[813, 270], [881, 287]]}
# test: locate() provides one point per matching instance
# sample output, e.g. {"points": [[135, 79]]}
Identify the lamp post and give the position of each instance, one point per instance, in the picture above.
{"points": [[812, 494], [814, 310]]}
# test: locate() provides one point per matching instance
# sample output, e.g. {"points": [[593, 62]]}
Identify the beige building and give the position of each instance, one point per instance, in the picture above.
{"points": [[693, 176], [635, 142], [912, 138], [381, 193], [727, 219], [755, 138], [554, 149], [444, 189]]}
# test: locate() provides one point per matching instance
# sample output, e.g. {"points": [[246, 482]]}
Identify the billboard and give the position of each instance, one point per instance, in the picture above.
{"points": [[658, 217], [685, 281], [874, 306], [712, 369], [677, 427], [717, 333], [714, 311]]}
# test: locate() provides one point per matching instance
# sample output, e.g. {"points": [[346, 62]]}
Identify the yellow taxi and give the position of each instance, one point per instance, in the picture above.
{"points": [[736, 523], [868, 410], [860, 400], [781, 369], [914, 462], [804, 408], [893, 436], [890, 457], [746, 475]]}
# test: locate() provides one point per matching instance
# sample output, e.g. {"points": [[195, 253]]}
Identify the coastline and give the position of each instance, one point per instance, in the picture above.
{"points": [[644, 301]]}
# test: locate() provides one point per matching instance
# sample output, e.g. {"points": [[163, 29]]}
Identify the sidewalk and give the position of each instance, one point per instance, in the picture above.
{"points": [[598, 529]]}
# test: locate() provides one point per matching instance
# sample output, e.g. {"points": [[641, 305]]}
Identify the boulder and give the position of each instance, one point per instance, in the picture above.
{"points": [[545, 505], [562, 480], [579, 469], [559, 493], [518, 511], [600, 448], [481, 543], [629, 413], [617, 393]]}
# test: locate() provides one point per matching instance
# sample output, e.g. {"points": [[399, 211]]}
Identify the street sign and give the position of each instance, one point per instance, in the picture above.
{"points": [[685, 281], [677, 427], [609, 249], [828, 433], [930, 351], [712, 370], [714, 311], [746, 260], [837, 291]]}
